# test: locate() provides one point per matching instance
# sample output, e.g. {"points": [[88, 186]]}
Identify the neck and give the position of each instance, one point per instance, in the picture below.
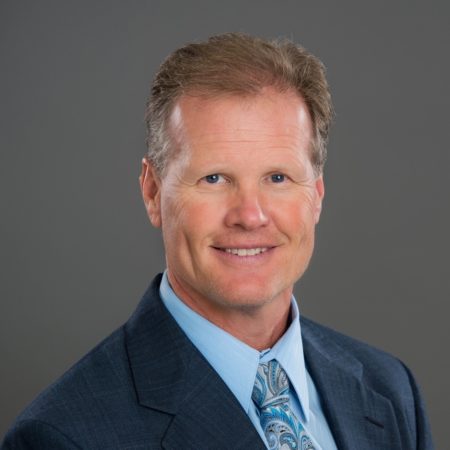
{"points": [[260, 327], [260, 330]]}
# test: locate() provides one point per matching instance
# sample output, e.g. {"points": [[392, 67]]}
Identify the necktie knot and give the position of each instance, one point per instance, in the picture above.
{"points": [[271, 385]]}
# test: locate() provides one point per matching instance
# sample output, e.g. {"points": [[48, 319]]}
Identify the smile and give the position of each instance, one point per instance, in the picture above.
{"points": [[246, 251]]}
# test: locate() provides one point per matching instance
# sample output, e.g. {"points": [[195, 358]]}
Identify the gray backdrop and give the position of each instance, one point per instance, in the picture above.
{"points": [[77, 250]]}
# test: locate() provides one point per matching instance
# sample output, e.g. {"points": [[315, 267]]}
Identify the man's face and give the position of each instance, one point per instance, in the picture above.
{"points": [[239, 203]]}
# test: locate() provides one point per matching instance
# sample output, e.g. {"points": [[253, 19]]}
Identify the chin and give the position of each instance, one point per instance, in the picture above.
{"points": [[248, 298]]}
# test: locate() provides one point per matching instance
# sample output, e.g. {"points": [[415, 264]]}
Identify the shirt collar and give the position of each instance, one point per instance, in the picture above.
{"points": [[288, 351], [236, 362]]}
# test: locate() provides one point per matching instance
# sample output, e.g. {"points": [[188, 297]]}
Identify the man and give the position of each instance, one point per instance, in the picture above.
{"points": [[216, 356]]}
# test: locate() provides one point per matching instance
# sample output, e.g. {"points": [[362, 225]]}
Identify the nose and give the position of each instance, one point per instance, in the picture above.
{"points": [[246, 210]]}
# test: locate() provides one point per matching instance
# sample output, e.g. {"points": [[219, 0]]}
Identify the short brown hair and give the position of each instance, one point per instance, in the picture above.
{"points": [[239, 64]]}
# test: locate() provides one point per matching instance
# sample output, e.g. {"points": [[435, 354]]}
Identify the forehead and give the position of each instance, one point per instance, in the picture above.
{"points": [[271, 116]]}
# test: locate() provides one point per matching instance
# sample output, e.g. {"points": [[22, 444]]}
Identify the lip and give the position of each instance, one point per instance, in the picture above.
{"points": [[245, 246]]}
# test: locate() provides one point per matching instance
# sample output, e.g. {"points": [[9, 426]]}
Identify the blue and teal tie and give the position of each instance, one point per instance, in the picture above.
{"points": [[282, 429]]}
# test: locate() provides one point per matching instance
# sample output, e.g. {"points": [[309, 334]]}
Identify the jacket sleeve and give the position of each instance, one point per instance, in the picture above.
{"points": [[36, 435], [423, 432]]}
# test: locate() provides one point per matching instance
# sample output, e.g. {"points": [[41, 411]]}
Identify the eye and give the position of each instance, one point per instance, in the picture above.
{"points": [[278, 178], [213, 178]]}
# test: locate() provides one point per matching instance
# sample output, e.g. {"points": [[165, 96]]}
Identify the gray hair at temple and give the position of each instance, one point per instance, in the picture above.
{"points": [[237, 64]]}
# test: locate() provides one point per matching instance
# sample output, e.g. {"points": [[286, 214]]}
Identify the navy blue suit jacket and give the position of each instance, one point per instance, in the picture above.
{"points": [[147, 387]]}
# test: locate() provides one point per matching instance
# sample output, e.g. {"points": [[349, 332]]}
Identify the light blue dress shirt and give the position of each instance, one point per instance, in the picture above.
{"points": [[237, 363]]}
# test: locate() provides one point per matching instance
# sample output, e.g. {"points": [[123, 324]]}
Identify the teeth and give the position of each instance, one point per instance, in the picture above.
{"points": [[246, 251]]}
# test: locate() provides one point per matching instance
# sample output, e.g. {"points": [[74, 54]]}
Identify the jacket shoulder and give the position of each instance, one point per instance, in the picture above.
{"points": [[57, 417], [379, 368], [321, 333]]}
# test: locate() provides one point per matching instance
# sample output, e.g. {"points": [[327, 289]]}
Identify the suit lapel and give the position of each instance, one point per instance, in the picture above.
{"points": [[171, 376], [210, 417], [358, 416]]}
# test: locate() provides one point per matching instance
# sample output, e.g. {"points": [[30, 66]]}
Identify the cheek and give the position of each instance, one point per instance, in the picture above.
{"points": [[188, 217], [297, 214]]}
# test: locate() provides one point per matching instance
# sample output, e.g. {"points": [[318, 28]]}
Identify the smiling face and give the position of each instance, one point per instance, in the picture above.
{"points": [[239, 203]]}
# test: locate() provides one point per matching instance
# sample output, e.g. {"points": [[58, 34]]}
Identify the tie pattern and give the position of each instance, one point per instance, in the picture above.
{"points": [[282, 429]]}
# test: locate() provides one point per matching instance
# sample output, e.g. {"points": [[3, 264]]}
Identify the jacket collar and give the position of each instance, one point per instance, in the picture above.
{"points": [[358, 416], [171, 376]]}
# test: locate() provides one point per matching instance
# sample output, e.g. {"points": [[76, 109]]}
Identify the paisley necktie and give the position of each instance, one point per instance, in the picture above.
{"points": [[281, 427]]}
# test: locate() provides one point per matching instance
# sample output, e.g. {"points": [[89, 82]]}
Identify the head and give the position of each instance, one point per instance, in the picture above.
{"points": [[243, 65], [236, 132]]}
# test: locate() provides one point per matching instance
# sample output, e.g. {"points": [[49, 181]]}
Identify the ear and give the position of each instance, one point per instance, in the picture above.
{"points": [[320, 192], [150, 183]]}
